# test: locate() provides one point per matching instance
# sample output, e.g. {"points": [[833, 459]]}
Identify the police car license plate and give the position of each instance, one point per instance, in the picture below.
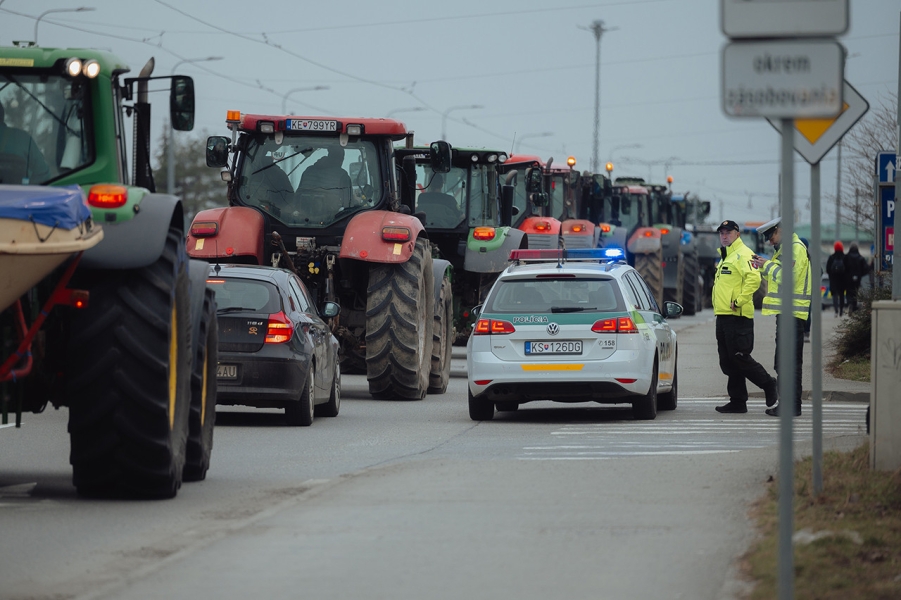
{"points": [[556, 347], [311, 125], [227, 372]]}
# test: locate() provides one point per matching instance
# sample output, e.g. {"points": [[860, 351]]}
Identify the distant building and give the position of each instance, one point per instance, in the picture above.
{"points": [[863, 238]]}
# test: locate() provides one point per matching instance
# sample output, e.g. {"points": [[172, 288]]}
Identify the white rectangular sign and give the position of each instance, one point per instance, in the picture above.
{"points": [[784, 18], [783, 79]]}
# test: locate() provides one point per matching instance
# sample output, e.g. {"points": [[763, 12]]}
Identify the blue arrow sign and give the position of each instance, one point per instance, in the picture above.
{"points": [[886, 166]]}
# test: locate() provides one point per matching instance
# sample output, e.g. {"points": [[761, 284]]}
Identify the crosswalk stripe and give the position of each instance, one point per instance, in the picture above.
{"points": [[670, 434]]}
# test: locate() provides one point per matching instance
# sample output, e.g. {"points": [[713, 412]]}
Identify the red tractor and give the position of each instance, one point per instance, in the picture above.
{"points": [[325, 198]]}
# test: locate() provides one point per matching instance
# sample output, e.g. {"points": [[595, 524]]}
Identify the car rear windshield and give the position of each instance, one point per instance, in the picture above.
{"points": [[246, 295], [555, 295]]}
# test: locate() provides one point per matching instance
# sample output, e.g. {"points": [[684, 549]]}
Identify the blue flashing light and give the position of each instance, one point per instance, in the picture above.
{"points": [[613, 253]]}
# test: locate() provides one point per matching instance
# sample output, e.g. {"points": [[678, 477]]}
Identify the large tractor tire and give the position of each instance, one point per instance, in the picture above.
{"points": [[442, 339], [691, 292], [677, 294], [202, 417], [400, 308], [650, 267], [129, 384]]}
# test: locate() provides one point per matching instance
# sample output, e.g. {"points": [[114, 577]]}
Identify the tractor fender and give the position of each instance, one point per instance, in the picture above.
{"points": [[645, 240], [480, 258], [239, 233], [541, 225], [579, 233], [137, 242], [440, 268], [363, 237]]}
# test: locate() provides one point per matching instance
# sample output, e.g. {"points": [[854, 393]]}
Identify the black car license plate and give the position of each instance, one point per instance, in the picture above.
{"points": [[555, 347], [227, 372]]}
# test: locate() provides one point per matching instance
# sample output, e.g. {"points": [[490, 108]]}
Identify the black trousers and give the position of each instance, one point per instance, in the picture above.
{"points": [[798, 326], [734, 343]]}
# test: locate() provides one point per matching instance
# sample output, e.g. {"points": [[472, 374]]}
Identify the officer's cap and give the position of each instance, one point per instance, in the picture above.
{"points": [[769, 228], [728, 226]]}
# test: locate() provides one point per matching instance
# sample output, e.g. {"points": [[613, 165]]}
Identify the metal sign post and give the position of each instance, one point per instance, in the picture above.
{"points": [[779, 76]]}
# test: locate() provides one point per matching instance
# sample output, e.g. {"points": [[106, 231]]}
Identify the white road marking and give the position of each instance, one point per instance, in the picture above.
{"points": [[671, 435]]}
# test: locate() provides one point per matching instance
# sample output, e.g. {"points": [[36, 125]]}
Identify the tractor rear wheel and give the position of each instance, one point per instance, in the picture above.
{"points": [[129, 387], [400, 308], [442, 339], [690, 293], [203, 391], [650, 267]]}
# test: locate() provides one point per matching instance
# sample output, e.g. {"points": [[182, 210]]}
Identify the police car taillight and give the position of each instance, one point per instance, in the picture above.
{"points": [[492, 327], [279, 329], [615, 325]]}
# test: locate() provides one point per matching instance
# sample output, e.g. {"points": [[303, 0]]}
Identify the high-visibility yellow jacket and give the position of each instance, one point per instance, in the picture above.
{"points": [[801, 293], [736, 280]]}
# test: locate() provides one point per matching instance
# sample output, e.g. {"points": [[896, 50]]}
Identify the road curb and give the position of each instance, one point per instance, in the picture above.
{"points": [[828, 396]]}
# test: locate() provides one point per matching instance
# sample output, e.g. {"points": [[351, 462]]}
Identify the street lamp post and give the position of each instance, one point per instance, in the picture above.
{"points": [[57, 10], [530, 135], [300, 89], [447, 112], [170, 146], [597, 27]]}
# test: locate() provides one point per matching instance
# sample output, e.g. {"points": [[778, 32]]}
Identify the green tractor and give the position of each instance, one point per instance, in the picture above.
{"points": [[465, 217], [131, 345]]}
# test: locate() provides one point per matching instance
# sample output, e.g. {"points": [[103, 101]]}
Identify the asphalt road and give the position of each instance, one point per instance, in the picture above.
{"points": [[414, 500]]}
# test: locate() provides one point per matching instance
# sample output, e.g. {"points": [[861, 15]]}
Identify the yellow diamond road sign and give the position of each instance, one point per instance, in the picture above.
{"points": [[818, 136]]}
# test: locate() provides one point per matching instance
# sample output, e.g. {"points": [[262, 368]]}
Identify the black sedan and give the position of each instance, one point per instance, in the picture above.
{"points": [[275, 350]]}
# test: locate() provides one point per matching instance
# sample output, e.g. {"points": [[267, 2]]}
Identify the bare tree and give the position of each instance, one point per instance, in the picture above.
{"points": [[876, 132]]}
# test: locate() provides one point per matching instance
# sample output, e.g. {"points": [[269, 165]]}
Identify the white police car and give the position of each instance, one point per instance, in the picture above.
{"points": [[572, 326]]}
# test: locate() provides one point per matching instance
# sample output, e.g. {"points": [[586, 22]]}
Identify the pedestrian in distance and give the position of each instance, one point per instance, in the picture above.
{"points": [[856, 267], [835, 268], [794, 318], [734, 285]]}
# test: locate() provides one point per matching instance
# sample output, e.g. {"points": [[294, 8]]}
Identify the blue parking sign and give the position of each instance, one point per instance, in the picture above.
{"points": [[886, 166], [886, 233]]}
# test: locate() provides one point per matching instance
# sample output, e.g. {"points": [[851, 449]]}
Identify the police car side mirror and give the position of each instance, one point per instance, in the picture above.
{"points": [[671, 310]]}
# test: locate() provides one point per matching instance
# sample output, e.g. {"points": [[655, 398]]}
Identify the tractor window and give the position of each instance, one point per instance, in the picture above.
{"points": [[44, 125], [559, 190], [630, 210], [309, 181], [441, 196], [483, 207]]}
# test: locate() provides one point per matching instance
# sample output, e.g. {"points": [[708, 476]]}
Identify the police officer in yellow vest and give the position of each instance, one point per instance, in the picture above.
{"points": [[801, 294], [734, 285]]}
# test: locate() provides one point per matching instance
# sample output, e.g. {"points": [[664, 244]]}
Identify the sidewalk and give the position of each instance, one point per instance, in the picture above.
{"points": [[834, 389], [698, 358]]}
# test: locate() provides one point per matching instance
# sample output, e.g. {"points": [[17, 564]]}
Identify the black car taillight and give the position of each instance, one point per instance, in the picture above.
{"points": [[279, 329]]}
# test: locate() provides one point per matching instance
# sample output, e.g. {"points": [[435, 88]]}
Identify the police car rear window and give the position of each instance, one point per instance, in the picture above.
{"points": [[555, 295]]}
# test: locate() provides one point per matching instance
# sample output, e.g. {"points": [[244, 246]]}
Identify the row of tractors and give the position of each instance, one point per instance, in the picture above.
{"points": [[114, 319]]}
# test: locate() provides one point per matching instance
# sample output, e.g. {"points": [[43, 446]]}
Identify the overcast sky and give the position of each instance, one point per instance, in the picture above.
{"points": [[530, 67]]}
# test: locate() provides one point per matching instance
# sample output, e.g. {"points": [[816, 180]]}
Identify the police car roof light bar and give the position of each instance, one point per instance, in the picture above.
{"points": [[563, 255]]}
